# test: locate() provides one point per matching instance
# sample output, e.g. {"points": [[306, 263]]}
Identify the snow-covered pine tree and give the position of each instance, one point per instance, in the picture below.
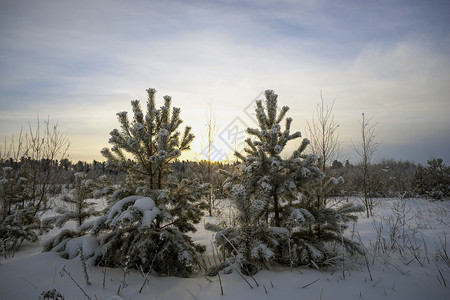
{"points": [[18, 219], [329, 221], [268, 192], [76, 206], [12, 187], [149, 223], [28, 179], [104, 187], [152, 139], [432, 180]]}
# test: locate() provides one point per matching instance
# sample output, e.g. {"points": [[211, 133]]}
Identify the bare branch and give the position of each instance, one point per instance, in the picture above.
{"points": [[366, 148], [323, 133]]}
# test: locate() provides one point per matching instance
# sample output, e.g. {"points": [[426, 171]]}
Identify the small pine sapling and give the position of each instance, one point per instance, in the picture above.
{"points": [[18, 217], [149, 214], [277, 219], [77, 207]]}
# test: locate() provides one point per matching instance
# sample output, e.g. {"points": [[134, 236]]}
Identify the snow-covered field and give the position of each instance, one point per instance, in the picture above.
{"points": [[406, 258]]}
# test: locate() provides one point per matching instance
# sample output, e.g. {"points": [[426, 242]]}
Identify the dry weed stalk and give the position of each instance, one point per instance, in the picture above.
{"points": [[441, 250], [83, 263], [215, 262], [64, 271]]}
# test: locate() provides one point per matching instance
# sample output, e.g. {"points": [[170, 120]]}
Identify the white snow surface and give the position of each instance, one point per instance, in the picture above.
{"points": [[144, 204], [149, 216], [261, 251], [425, 228], [117, 207], [88, 243]]}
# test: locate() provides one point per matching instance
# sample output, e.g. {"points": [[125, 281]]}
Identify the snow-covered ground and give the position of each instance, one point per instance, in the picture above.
{"points": [[406, 248]]}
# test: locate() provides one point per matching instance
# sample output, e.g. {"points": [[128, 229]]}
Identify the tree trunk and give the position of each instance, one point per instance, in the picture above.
{"points": [[210, 192], [276, 209]]}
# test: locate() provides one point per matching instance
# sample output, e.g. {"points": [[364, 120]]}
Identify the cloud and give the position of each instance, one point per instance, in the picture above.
{"points": [[82, 62]]}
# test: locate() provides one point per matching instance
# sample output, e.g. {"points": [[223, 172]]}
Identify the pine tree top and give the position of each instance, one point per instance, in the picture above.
{"points": [[146, 145]]}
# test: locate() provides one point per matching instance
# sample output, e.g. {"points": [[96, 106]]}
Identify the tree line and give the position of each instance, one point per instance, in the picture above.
{"points": [[389, 177], [154, 199]]}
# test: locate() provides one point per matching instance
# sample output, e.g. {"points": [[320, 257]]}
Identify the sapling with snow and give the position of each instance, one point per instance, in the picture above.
{"points": [[276, 217], [18, 219], [76, 205], [30, 175], [148, 218]]}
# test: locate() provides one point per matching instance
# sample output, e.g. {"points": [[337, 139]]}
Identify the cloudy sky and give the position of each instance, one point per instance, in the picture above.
{"points": [[81, 62]]}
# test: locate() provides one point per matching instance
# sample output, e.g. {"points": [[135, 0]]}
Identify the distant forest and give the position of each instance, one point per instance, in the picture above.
{"points": [[388, 178]]}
